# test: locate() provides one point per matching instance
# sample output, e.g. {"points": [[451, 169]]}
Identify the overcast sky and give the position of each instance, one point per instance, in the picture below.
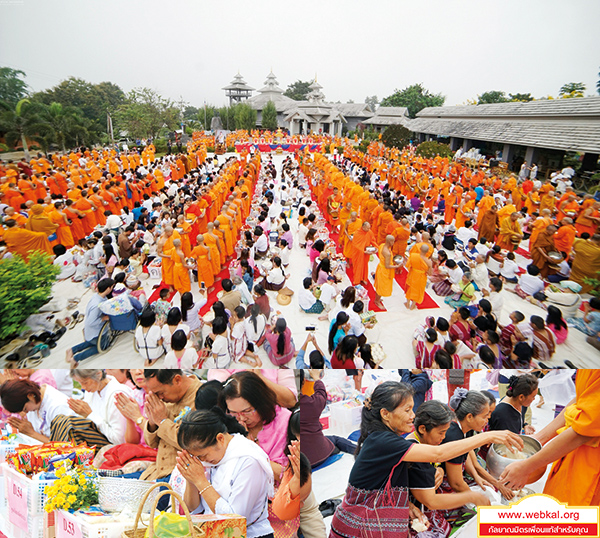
{"points": [[192, 48]]}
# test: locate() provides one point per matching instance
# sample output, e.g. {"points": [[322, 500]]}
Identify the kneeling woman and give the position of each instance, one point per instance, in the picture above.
{"points": [[432, 421], [38, 406], [376, 500], [225, 472]]}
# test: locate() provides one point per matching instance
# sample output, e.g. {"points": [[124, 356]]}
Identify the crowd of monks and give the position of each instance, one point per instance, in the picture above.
{"points": [[364, 220], [62, 199]]}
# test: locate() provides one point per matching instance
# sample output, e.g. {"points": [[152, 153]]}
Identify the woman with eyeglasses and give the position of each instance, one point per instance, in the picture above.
{"points": [[246, 397], [225, 472]]}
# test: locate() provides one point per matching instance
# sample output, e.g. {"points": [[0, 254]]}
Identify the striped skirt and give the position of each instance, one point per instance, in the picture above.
{"points": [[78, 430]]}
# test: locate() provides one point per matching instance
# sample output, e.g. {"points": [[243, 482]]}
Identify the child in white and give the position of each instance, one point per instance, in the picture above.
{"points": [[180, 355]]}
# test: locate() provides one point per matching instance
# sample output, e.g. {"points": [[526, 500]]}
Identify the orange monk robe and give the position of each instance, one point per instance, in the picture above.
{"points": [[385, 219], [584, 224], [186, 229], [223, 252], [205, 267], [569, 207], [227, 232], [547, 202], [181, 274], [464, 213], [360, 259], [25, 242], [384, 278], [417, 248], [375, 220], [401, 235], [63, 232], [215, 257], [508, 227], [416, 281], [98, 202], [167, 263], [483, 206], [89, 221], [538, 226], [564, 238], [367, 208], [27, 190], [40, 222], [13, 198], [450, 211], [351, 229], [506, 211], [575, 478], [77, 229], [532, 203]]}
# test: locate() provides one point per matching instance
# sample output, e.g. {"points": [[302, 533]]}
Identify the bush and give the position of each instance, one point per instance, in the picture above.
{"points": [[26, 286], [161, 145], [210, 149], [362, 146], [230, 149], [396, 136], [326, 148], [430, 149]]}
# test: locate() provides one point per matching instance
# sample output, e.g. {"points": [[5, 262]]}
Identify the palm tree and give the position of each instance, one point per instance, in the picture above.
{"points": [[572, 89], [21, 123], [63, 123]]}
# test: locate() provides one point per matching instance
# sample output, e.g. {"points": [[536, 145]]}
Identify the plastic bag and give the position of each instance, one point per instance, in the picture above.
{"points": [[169, 525]]}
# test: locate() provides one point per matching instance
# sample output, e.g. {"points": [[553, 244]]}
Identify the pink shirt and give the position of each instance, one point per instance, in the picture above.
{"points": [[273, 437], [43, 377]]}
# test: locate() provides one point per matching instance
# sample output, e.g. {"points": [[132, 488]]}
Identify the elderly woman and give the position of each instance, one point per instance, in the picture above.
{"points": [[465, 294], [225, 472], [37, 405], [98, 421]]}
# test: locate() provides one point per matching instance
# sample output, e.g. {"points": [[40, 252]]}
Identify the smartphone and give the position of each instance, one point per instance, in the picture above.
{"points": [[311, 328], [202, 285]]}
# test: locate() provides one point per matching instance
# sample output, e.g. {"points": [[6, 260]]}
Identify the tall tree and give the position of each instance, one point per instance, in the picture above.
{"points": [[23, 122], [396, 136], [572, 89], [523, 97], [12, 88], [372, 102], [493, 96], [145, 113], [298, 90], [269, 117], [65, 125], [415, 98], [245, 117]]}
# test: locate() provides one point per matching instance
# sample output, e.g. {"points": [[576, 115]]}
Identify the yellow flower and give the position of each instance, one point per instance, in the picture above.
{"points": [[82, 481], [60, 471], [71, 499]]}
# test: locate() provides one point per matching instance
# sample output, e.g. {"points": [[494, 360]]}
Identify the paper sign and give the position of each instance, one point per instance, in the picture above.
{"points": [[17, 504], [66, 528]]}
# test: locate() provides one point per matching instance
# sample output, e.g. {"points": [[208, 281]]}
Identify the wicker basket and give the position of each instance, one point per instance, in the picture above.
{"points": [[141, 532]]}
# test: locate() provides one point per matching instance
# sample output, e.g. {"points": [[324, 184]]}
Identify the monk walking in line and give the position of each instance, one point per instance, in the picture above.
{"points": [[384, 275], [419, 266]]}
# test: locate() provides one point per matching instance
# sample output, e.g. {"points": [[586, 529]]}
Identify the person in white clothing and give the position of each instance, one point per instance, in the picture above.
{"points": [[38, 407], [64, 382], [98, 421], [225, 472], [181, 356], [221, 355]]}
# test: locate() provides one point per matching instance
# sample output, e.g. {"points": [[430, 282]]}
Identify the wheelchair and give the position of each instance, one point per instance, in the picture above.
{"points": [[114, 327]]}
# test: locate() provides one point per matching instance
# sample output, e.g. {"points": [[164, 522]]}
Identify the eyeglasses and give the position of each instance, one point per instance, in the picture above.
{"points": [[244, 413]]}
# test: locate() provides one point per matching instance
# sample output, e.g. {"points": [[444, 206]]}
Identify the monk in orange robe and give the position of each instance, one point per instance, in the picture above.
{"points": [[73, 214], [574, 478], [362, 239], [225, 226], [25, 242], [464, 212], [385, 218], [385, 272], [483, 206], [565, 236], [353, 224], [211, 240], [63, 232], [202, 255], [419, 266], [567, 205], [39, 222], [589, 220], [401, 236], [510, 233], [186, 229], [164, 247], [85, 206], [181, 274], [539, 225]]}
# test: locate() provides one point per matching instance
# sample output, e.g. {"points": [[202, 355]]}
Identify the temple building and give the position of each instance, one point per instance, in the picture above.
{"points": [[238, 90]]}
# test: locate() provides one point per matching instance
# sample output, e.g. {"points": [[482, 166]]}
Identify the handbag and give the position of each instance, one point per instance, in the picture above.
{"points": [[375, 513]]}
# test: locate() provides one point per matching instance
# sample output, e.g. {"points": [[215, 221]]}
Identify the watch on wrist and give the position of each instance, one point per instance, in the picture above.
{"points": [[139, 421]]}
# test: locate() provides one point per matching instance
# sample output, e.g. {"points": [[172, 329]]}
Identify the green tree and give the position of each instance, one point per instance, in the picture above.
{"points": [[227, 114], [145, 113], [94, 100], [396, 136], [26, 286], [430, 149], [245, 117], [190, 112], [494, 96], [572, 89], [65, 125], [23, 122], [415, 98], [269, 117], [298, 90], [12, 88], [523, 97], [372, 102]]}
